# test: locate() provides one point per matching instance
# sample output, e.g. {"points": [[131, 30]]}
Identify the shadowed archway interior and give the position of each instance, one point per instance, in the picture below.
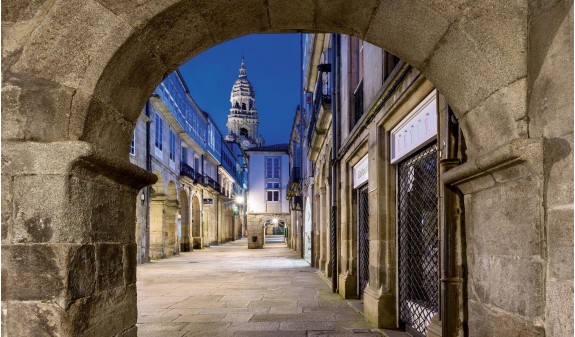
{"points": [[76, 74]]}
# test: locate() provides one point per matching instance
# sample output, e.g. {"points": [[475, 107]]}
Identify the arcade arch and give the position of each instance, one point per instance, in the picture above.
{"points": [[70, 104]]}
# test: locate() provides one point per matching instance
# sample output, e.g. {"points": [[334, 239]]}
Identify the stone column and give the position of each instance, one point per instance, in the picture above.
{"points": [[322, 230], [157, 227], [68, 246], [380, 296], [327, 226], [347, 278], [172, 246]]}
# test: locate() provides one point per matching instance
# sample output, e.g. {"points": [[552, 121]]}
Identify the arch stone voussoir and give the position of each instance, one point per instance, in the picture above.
{"points": [[484, 50], [73, 44], [414, 44]]}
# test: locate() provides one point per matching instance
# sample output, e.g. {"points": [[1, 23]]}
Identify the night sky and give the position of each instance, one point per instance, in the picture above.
{"points": [[273, 67]]}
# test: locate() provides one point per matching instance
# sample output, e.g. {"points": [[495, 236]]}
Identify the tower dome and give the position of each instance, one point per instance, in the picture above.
{"points": [[243, 119], [242, 86]]}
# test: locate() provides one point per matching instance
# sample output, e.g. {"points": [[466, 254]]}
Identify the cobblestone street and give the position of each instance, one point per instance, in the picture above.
{"points": [[229, 290]]}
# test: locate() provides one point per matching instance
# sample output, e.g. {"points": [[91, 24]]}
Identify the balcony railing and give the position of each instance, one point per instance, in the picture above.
{"points": [[187, 171], [322, 95], [211, 183]]}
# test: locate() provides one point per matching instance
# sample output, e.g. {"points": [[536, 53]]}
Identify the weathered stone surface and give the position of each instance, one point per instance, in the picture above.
{"points": [[501, 115], [110, 266], [559, 313], [297, 14], [486, 322], [560, 244], [23, 97], [480, 40], [509, 283], [42, 319], [82, 272], [558, 164], [340, 16], [33, 272], [426, 28], [514, 214], [109, 211], [41, 205], [105, 314], [229, 19], [6, 205], [130, 262], [104, 127], [59, 51], [14, 11], [551, 69], [179, 25]]}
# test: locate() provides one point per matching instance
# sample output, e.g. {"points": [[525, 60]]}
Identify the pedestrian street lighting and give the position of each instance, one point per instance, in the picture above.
{"points": [[275, 220], [240, 200]]}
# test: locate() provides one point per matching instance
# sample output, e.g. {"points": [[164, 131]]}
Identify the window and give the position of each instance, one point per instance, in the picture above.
{"points": [[133, 144], [243, 132], [273, 185], [272, 167], [273, 196], [159, 131], [184, 155], [172, 146]]}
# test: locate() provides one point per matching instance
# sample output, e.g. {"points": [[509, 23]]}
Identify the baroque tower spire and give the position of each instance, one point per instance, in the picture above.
{"points": [[243, 119]]}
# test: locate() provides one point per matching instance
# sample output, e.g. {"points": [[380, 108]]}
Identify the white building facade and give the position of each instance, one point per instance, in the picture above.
{"points": [[267, 207]]}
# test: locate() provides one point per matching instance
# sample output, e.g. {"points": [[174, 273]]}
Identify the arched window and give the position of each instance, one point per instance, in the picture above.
{"points": [[243, 106], [243, 132]]}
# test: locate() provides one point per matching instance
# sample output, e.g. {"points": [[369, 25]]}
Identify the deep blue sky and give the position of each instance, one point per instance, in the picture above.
{"points": [[273, 66]]}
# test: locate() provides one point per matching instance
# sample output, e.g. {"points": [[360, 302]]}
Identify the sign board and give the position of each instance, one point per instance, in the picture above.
{"points": [[415, 130], [208, 201], [360, 172]]}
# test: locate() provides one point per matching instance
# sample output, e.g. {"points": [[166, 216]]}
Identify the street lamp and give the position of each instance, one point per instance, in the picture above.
{"points": [[275, 220], [240, 200]]}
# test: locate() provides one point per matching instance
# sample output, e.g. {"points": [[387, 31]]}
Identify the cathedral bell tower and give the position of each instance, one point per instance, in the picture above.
{"points": [[243, 119]]}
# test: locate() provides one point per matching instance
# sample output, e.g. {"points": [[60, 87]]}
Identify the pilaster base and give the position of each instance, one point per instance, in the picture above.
{"points": [[347, 286], [379, 309]]}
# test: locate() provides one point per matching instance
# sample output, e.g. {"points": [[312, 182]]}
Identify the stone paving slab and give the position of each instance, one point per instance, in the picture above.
{"points": [[229, 290]]}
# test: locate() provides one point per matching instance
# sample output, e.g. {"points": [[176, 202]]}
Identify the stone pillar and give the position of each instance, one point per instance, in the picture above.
{"points": [[255, 232], [316, 230], [157, 227], [172, 246], [347, 282], [380, 295], [322, 230], [68, 245], [327, 226]]}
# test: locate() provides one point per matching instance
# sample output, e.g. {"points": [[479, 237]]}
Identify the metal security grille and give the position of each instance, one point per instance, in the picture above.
{"points": [[363, 239], [418, 240]]}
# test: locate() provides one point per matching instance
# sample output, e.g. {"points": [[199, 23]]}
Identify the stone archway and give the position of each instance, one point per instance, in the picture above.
{"points": [[76, 74]]}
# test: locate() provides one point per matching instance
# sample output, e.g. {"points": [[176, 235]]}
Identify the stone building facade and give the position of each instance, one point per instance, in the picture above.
{"points": [[401, 211], [77, 73], [198, 175]]}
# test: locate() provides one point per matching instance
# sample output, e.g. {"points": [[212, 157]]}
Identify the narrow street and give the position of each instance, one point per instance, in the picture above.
{"points": [[229, 290]]}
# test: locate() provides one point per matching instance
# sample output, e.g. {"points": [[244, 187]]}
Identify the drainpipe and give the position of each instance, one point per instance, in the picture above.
{"points": [[452, 207], [148, 188], [334, 139]]}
